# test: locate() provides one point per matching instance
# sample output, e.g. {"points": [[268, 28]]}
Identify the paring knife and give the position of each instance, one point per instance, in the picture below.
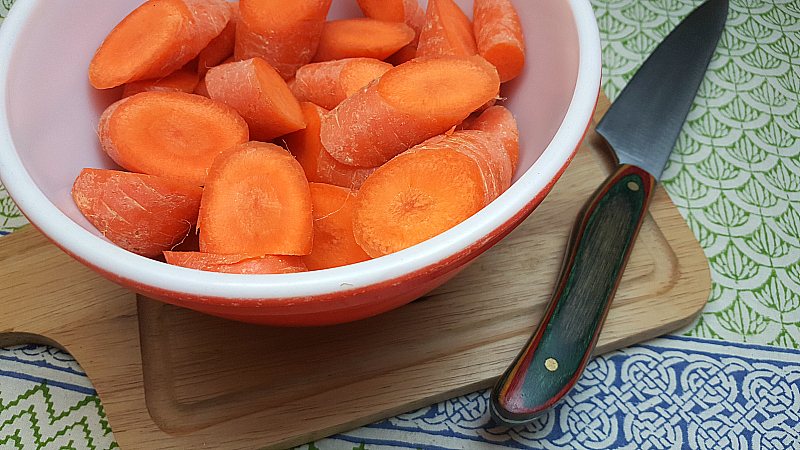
{"points": [[642, 126]]}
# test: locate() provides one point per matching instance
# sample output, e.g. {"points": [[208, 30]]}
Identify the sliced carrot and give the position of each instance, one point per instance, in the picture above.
{"points": [[254, 89], [169, 134], [327, 83], [156, 39], [498, 34], [334, 244], [409, 12], [361, 37], [447, 31], [221, 47], [141, 213], [414, 197], [182, 80], [488, 152], [318, 165], [256, 201], [243, 264], [499, 121], [408, 104], [283, 33]]}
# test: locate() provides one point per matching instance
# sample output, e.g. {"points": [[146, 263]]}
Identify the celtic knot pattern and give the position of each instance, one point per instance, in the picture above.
{"points": [[653, 396]]}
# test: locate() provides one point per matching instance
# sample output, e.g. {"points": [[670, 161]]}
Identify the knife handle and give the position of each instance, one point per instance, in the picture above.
{"points": [[555, 356]]}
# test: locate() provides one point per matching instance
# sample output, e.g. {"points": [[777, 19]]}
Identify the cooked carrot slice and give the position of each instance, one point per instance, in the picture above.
{"points": [[141, 213], [221, 47], [409, 12], [254, 89], [182, 80], [361, 37], [283, 33], [334, 244], [327, 83], [256, 201], [406, 105], [414, 197], [499, 121], [155, 39], [318, 165], [488, 152], [242, 264], [498, 34], [169, 134], [447, 31]]}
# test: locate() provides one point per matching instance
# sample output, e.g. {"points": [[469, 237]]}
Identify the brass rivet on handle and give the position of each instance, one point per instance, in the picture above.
{"points": [[633, 186], [551, 364]]}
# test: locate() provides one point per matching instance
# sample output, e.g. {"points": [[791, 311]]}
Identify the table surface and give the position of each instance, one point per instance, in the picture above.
{"points": [[729, 380]]}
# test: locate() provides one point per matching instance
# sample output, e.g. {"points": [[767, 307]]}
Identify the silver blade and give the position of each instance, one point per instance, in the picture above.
{"points": [[643, 123]]}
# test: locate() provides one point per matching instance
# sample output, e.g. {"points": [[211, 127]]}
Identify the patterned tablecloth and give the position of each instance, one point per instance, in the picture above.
{"points": [[729, 380]]}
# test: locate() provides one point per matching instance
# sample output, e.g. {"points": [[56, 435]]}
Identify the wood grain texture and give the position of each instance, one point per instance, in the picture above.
{"points": [[174, 378]]}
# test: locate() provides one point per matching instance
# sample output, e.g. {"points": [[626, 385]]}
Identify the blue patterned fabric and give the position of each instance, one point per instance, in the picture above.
{"points": [[670, 393]]}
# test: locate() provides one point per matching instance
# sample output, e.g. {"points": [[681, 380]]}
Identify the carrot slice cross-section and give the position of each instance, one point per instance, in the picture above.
{"points": [[256, 201]]}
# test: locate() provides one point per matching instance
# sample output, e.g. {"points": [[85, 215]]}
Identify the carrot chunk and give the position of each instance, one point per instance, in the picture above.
{"points": [[499, 121], [141, 213], [169, 134], [221, 47], [447, 31], [182, 80], [242, 264], [409, 12], [155, 39], [327, 83], [286, 34], [254, 89], [488, 152], [406, 105], [417, 195], [256, 201], [361, 37], [318, 165], [498, 34], [334, 244]]}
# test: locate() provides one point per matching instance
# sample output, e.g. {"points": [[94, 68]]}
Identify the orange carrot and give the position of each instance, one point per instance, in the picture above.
{"points": [[415, 196], [498, 34], [361, 37], [327, 83], [488, 152], [409, 12], [334, 244], [283, 33], [318, 165], [182, 80], [498, 120], [254, 89], [447, 31], [141, 213], [221, 47], [257, 202], [243, 264], [169, 134], [408, 104], [156, 39]]}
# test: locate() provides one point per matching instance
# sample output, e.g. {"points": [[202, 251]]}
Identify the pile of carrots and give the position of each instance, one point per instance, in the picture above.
{"points": [[259, 137]]}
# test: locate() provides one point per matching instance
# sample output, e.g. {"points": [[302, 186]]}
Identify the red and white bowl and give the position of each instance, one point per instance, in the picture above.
{"points": [[49, 114]]}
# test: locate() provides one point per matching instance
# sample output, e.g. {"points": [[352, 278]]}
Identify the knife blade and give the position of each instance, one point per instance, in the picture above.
{"points": [[642, 126]]}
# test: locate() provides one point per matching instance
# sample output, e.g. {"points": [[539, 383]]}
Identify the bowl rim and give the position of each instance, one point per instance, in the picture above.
{"points": [[136, 270]]}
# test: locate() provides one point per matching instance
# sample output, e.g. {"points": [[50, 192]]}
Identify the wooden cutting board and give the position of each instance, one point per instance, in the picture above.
{"points": [[173, 378]]}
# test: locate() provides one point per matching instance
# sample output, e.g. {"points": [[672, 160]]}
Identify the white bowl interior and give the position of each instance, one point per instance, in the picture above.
{"points": [[50, 114]]}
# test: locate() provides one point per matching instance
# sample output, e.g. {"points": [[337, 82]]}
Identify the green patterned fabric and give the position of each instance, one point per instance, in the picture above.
{"points": [[735, 172]]}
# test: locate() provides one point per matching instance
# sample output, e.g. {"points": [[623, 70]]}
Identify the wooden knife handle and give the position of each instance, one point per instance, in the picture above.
{"points": [[555, 356]]}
